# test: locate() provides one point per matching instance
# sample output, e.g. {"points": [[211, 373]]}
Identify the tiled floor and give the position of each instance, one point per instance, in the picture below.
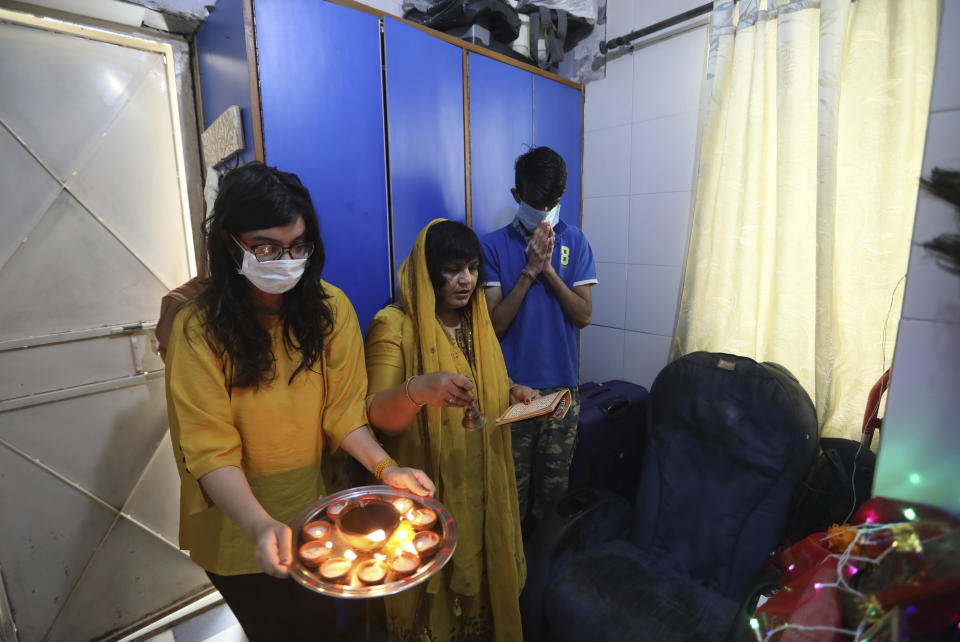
{"points": [[217, 624]]}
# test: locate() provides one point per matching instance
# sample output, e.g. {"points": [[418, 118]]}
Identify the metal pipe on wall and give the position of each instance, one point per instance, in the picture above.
{"points": [[607, 45]]}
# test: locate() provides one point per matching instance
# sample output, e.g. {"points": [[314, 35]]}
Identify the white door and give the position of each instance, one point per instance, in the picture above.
{"points": [[94, 229]]}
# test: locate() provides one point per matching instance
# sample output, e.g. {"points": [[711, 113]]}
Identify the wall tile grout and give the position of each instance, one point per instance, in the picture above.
{"points": [[611, 327], [607, 101], [931, 321]]}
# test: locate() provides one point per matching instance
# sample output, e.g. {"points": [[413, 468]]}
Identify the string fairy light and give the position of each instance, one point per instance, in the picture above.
{"points": [[853, 564], [804, 627]]}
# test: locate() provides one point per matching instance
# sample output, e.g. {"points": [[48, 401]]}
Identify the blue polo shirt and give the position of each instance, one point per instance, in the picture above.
{"points": [[540, 346]]}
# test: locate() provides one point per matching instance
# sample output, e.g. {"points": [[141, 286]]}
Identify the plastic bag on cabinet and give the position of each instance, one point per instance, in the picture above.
{"points": [[585, 9], [498, 16]]}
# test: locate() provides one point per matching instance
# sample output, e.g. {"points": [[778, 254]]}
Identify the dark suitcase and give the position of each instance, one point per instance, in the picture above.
{"points": [[610, 437]]}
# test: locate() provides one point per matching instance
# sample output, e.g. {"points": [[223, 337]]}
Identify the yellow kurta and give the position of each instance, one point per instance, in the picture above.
{"points": [[477, 594], [276, 434]]}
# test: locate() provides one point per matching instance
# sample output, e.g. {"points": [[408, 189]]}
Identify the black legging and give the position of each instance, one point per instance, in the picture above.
{"points": [[269, 608]]}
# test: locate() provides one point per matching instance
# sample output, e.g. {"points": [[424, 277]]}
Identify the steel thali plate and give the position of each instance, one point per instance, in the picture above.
{"points": [[401, 541]]}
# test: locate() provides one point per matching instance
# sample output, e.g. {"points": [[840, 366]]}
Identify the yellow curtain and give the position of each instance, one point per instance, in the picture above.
{"points": [[813, 127]]}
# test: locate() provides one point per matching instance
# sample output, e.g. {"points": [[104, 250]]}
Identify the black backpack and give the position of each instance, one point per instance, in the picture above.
{"points": [[497, 16], [842, 477], [839, 482], [561, 32]]}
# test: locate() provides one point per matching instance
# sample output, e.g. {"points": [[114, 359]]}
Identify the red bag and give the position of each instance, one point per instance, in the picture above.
{"points": [[854, 574]]}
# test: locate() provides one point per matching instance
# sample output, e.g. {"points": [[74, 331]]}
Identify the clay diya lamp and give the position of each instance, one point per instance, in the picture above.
{"points": [[336, 508], [318, 530], [335, 569], [314, 553], [367, 525], [426, 543], [373, 571], [421, 518], [404, 563], [403, 505]]}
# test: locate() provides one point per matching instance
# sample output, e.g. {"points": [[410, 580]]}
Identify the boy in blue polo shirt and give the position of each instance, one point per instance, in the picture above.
{"points": [[539, 273]]}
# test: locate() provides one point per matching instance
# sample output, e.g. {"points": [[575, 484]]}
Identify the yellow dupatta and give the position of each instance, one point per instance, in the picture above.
{"points": [[435, 441]]}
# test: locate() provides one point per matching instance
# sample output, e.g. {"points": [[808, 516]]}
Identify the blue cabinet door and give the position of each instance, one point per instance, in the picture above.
{"points": [[501, 128], [557, 115], [224, 77], [322, 103], [425, 128]]}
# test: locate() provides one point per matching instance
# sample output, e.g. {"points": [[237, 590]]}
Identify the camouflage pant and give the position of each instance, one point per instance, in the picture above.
{"points": [[542, 451]]}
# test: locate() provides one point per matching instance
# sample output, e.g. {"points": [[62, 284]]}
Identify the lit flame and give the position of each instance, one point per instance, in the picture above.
{"points": [[424, 542], [380, 557], [419, 516], [350, 555], [404, 532], [329, 544], [378, 535]]}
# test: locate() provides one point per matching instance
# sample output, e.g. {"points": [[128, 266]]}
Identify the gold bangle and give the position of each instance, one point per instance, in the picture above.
{"points": [[382, 466], [406, 391]]}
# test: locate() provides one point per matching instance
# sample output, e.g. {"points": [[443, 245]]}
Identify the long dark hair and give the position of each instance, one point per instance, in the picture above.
{"points": [[451, 241], [257, 197]]}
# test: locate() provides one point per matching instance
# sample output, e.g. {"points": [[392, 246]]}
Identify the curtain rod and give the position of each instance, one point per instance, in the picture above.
{"points": [[607, 45]]}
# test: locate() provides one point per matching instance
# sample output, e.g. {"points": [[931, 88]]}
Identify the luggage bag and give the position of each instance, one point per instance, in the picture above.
{"points": [[609, 446]]}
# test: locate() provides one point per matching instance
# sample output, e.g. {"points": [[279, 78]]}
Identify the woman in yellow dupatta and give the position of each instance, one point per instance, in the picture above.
{"points": [[429, 358]]}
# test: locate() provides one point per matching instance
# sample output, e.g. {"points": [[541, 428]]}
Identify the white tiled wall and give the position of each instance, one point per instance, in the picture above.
{"points": [[609, 304], [640, 139], [606, 161], [920, 437], [604, 219]]}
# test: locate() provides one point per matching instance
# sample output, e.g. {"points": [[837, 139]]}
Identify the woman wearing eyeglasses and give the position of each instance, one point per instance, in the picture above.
{"points": [[264, 373]]}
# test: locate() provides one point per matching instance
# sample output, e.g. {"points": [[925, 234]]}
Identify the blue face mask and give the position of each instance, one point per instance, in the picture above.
{"points": [[530, 217]]}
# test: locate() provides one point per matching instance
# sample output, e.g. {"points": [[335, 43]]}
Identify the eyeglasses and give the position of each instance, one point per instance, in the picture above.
{"points": [[273, 251]]}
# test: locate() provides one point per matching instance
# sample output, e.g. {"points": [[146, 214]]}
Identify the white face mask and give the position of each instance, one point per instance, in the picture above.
{"points": [[273, 277], [530, 217]]}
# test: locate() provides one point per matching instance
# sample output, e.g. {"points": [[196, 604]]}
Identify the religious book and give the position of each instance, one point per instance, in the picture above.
{"points": [[552, 406]]}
